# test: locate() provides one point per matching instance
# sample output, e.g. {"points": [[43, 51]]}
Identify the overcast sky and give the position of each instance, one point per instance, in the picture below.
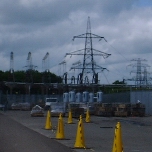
{"points": [[41, 26]]}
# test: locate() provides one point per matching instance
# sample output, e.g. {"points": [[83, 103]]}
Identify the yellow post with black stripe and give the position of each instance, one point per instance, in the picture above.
{"points": [[60, 129], [70, 117], [80, 141], [87, 116], [117, 144], [48, 124]]}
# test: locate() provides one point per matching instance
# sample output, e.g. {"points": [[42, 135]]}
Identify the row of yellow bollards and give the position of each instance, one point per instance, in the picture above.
{"points": [[80, 141]]}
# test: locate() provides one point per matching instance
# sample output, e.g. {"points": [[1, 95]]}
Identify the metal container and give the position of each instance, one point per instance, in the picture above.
{"points": [[65, 97], [71, 96], [99, 96], [91, 97], [78, 97], [85, 96]]}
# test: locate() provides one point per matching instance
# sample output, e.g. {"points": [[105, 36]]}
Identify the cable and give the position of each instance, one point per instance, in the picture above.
{"points": [[118, 73], [106, 78], [117, 51]]}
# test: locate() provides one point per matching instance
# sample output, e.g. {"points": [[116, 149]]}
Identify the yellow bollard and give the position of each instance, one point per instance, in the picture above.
{"points": [[87, 116], [70, 117], [48, 124], [80, 142], [117, 144], [60, 129]]}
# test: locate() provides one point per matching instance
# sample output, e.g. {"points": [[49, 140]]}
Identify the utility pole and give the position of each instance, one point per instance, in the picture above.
{"points": [[89, 66]]}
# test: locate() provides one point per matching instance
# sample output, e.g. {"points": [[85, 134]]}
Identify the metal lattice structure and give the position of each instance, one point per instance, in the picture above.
{"points": [[88, 67], [29, 65], [30, 68], [142, 76], [11, 71], [62, 67], [45, 62], [45, 66]]}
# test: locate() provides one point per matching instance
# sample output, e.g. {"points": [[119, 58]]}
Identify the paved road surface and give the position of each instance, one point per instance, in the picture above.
{"points": [[99, 134], [15, 137]]}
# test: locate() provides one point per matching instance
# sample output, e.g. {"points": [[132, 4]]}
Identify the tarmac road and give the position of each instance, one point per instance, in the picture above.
{"points": [[14, 137], [99, 134]]}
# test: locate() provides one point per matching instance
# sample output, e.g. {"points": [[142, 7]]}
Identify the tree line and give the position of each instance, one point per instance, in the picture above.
{"points": [[29, 76]]}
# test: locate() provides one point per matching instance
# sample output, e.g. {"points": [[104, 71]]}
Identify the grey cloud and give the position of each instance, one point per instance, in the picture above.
{"points": [[48, 26], [13, 12]]}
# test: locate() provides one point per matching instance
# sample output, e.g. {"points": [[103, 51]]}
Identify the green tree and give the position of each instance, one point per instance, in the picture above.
{"points": [[119, 82], [20, 76]]}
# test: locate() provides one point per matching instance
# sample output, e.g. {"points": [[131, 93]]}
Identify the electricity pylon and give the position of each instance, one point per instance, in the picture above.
{"points": [[141, 74], [45, 62], [62, 67], [30, 68], [45, 67], [89, 65], [11, 71]]}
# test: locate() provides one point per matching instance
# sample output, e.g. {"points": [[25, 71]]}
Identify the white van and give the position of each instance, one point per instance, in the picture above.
{"points": [[49, 101]]}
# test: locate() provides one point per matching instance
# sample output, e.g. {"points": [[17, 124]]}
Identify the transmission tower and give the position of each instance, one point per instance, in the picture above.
{"points": [[30, 68], [145, 76], [89, 66], [141, 74], [11, 71], [62, 67], [29, 65], [76, 65], [45, 66], [45, 62]]}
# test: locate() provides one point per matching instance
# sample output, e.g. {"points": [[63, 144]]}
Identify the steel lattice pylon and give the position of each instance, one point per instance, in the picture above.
{"points": [[45, 63], [45, 66], [141, 74], [11, 71], [89, 65]]}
